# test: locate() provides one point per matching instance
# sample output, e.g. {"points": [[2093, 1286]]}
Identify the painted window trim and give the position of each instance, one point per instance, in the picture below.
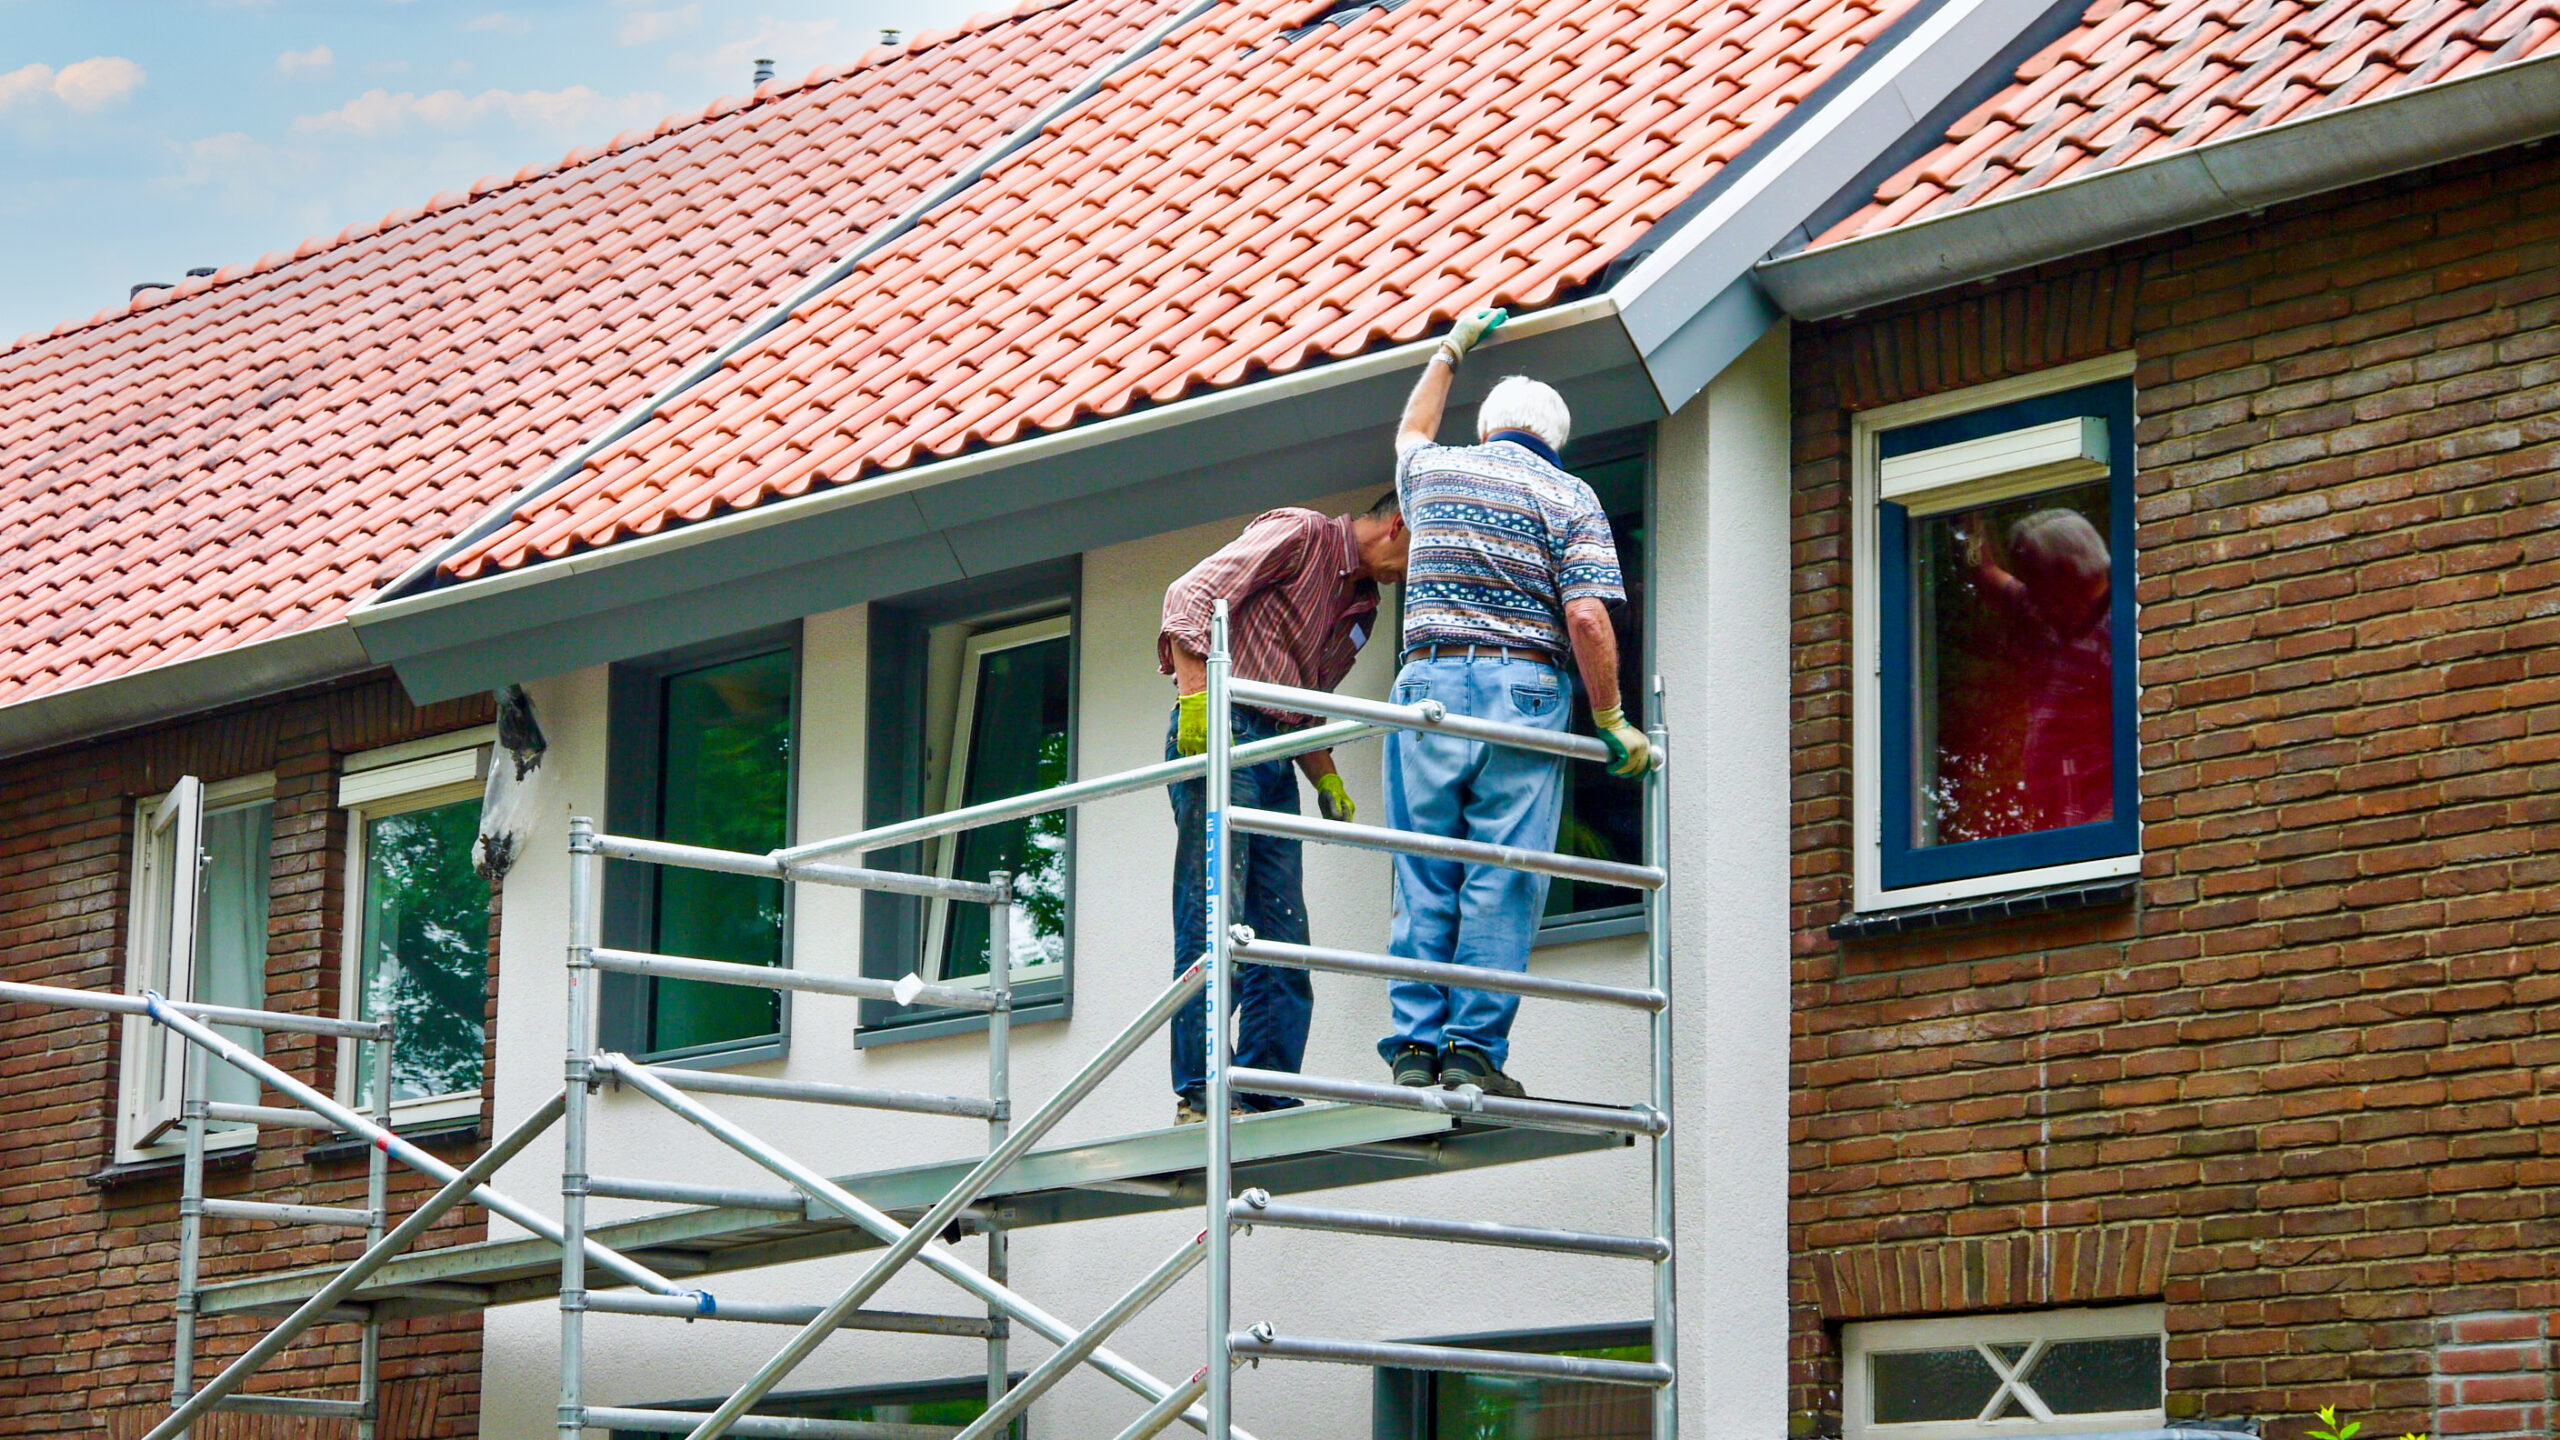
{"points": [[394, 780], [1866, 624], [629, 910], [963, 738], [1861, 1339], [216, 795]]}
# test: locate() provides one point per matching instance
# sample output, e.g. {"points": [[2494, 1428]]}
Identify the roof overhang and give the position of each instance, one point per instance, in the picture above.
{"points": [[2490, 110], [1680, 307], [327, 651]]}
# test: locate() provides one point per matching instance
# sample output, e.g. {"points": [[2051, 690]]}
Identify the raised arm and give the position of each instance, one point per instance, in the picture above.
{"points": [[1430, 397]]}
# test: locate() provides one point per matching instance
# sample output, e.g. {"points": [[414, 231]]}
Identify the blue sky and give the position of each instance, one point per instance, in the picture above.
{"points": [[142, 138]]}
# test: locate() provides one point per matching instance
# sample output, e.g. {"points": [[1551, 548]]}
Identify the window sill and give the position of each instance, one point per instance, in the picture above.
{"points": [[131, 1174], [439, 1135], [2050, 899], [1572, 931], [957, 1022]]}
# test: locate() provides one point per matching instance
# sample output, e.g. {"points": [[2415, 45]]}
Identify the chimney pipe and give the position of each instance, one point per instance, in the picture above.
{"points": [[764, 70], [890, 35]]}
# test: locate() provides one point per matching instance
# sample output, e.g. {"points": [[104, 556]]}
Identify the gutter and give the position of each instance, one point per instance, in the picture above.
{"points": [[2491, 110], [327, 651]]}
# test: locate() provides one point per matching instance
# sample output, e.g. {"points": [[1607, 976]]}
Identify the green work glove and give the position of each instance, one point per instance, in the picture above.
{"points": [[1333, 801], [1191, 722], [1471, 329], [1630, 753]]}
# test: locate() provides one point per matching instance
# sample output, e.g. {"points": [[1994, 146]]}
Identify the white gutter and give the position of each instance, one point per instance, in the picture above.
{"points": [[2490, 110], [1412, 356], [327, 651]]}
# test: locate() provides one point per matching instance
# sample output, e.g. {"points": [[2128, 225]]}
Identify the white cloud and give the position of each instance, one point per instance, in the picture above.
{"points": [[377, 113], [84, 86], [499, 21], [641, 27], [294, 62]]}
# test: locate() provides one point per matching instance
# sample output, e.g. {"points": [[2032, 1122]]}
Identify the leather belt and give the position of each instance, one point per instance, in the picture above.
{"points": [[1479, 652]]}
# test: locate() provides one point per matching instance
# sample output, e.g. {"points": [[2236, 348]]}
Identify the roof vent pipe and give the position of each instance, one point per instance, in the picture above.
{"points": [[132, 291], [890, 35], [764, 70]]}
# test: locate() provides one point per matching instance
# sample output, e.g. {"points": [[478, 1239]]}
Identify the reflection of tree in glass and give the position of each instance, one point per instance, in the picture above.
{"points": [[725, 783], [1504, 1407], [426, 948]]}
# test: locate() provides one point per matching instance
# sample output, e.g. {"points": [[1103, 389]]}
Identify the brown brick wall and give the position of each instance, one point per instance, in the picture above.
{"points": [[87, 1272], [2313, 1070]]}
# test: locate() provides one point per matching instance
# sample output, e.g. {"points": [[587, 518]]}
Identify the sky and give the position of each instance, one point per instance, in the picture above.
{"points": [[140, 139]]}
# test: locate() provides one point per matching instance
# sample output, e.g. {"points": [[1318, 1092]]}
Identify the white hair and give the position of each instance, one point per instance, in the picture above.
{"points": [[1517, 402]]}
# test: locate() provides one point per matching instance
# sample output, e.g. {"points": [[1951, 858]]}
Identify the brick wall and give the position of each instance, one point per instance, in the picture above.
{"points": [[2305, 1088], [87, 1269]]}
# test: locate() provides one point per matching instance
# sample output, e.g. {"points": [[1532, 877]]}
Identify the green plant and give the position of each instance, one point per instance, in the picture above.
{"points": [[2332, 1428]]}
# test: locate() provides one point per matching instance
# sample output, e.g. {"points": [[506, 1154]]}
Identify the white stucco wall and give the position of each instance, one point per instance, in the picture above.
{"points": [[1724, 457]]}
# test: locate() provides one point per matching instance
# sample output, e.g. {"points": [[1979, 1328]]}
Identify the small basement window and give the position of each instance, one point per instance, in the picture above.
{"points": [[2053, 1372]]}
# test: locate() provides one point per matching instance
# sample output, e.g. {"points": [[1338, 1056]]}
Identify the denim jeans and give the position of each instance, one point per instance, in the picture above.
{"points": [[1438, 785], [1268, 894]]}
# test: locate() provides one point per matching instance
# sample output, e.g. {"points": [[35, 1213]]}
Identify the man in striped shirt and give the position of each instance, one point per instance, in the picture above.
{"points": [[1302, 596], [1512, 567]]}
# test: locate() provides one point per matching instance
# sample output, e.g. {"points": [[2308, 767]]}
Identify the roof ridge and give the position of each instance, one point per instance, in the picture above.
{"points": [[719, 108]]}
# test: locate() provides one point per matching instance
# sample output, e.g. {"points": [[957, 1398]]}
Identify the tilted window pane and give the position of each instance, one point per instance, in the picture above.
{"points": [[1603, 815], [2013, 668], [231, 932], [1017, 744], [425, 950], [1911, 1385], [724, 782], [2088, 1377]]}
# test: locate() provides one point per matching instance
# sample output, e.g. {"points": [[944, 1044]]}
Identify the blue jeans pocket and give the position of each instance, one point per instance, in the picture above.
{"points": [[1412, 692], [1536, 700]]}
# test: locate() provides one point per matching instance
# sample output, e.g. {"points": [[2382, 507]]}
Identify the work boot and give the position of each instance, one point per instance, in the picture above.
{"points": [[1187, 1111], [1416, 1065], [1463, 1066]]}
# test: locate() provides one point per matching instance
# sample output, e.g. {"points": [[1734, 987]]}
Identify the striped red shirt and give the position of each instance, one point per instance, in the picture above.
{"points": [[1297, 608]]}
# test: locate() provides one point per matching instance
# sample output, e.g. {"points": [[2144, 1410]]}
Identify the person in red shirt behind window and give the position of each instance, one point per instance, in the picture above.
{"points": [[2056, 597]]}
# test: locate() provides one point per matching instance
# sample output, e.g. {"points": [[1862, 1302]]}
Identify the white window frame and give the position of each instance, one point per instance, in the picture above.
{"points": [[162, 912], [2028, 463], [394, 780], [1861, 1340], [955, 785]]}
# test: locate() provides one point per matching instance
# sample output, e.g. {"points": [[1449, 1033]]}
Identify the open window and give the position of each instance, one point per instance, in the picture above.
{"points": [[1980, 1377], [417, 931], [1995, 682], [1008, 736], [1603, 816], [197, 931]]}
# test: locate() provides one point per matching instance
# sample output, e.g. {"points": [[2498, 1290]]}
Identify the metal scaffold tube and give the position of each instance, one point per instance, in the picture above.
{"points": [[1660, 1037], [1263, 1343], [1000, 1121], [577, 1090], [1218, 1177], [909, 991], [1432, 972], [1074, 1353], [1430, 716]]}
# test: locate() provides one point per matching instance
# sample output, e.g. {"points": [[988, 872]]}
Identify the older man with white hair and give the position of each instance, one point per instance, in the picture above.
{"points": [[1511, 566]]}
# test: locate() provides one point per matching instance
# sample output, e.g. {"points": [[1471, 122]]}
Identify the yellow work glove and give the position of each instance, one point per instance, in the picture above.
{"points": [[1333, 801], [1629, 752], [1471, 328], [1191, 723]]}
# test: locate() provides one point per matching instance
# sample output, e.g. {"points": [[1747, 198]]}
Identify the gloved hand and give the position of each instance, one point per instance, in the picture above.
{"points": [[1333, 801], [1471, 329], [1630, 754], [1191, 723]]}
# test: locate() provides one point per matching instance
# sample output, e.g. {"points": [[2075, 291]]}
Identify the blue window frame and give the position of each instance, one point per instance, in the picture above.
{"points": [[2006, 659]]}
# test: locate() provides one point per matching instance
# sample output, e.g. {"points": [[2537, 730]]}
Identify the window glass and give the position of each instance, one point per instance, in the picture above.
{"points": [[724, 782], [2015, 668], [231, 932], [1517, 1407], [1604, 815], [1981, 1376], [2090, 1377], [423, 956], [947, 1402], [1931, 1385], [1014, 740]]}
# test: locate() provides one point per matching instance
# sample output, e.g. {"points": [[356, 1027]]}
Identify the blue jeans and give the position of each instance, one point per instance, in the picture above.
{"points": [[1462, 914], [1269, 894]]}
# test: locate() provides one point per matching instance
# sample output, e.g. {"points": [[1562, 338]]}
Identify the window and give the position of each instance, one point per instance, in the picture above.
{"points": [[1009, 736], [198, 931], [1451, 1405], [418, 923], [2053, 1373], [702, 755], [973, 698], [953, 1402], [1603, 814], [1995, 705]]}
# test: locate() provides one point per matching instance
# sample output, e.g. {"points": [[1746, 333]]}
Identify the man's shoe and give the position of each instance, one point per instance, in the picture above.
{"points": [[1416, 1065], [1467, 1067], [1186, 1112]]}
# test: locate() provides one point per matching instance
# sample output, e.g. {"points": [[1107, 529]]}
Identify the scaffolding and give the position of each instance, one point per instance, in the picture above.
{"points": [[1237, 1171]]}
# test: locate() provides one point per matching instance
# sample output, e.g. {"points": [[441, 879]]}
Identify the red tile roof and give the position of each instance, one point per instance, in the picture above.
{"points": [[2137, 80], [245, 456], [1243, 201]]}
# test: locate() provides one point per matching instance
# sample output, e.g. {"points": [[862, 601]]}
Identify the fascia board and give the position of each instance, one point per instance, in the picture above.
{"points": [[326, 651], [2487, 111], [1680, 302]]}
